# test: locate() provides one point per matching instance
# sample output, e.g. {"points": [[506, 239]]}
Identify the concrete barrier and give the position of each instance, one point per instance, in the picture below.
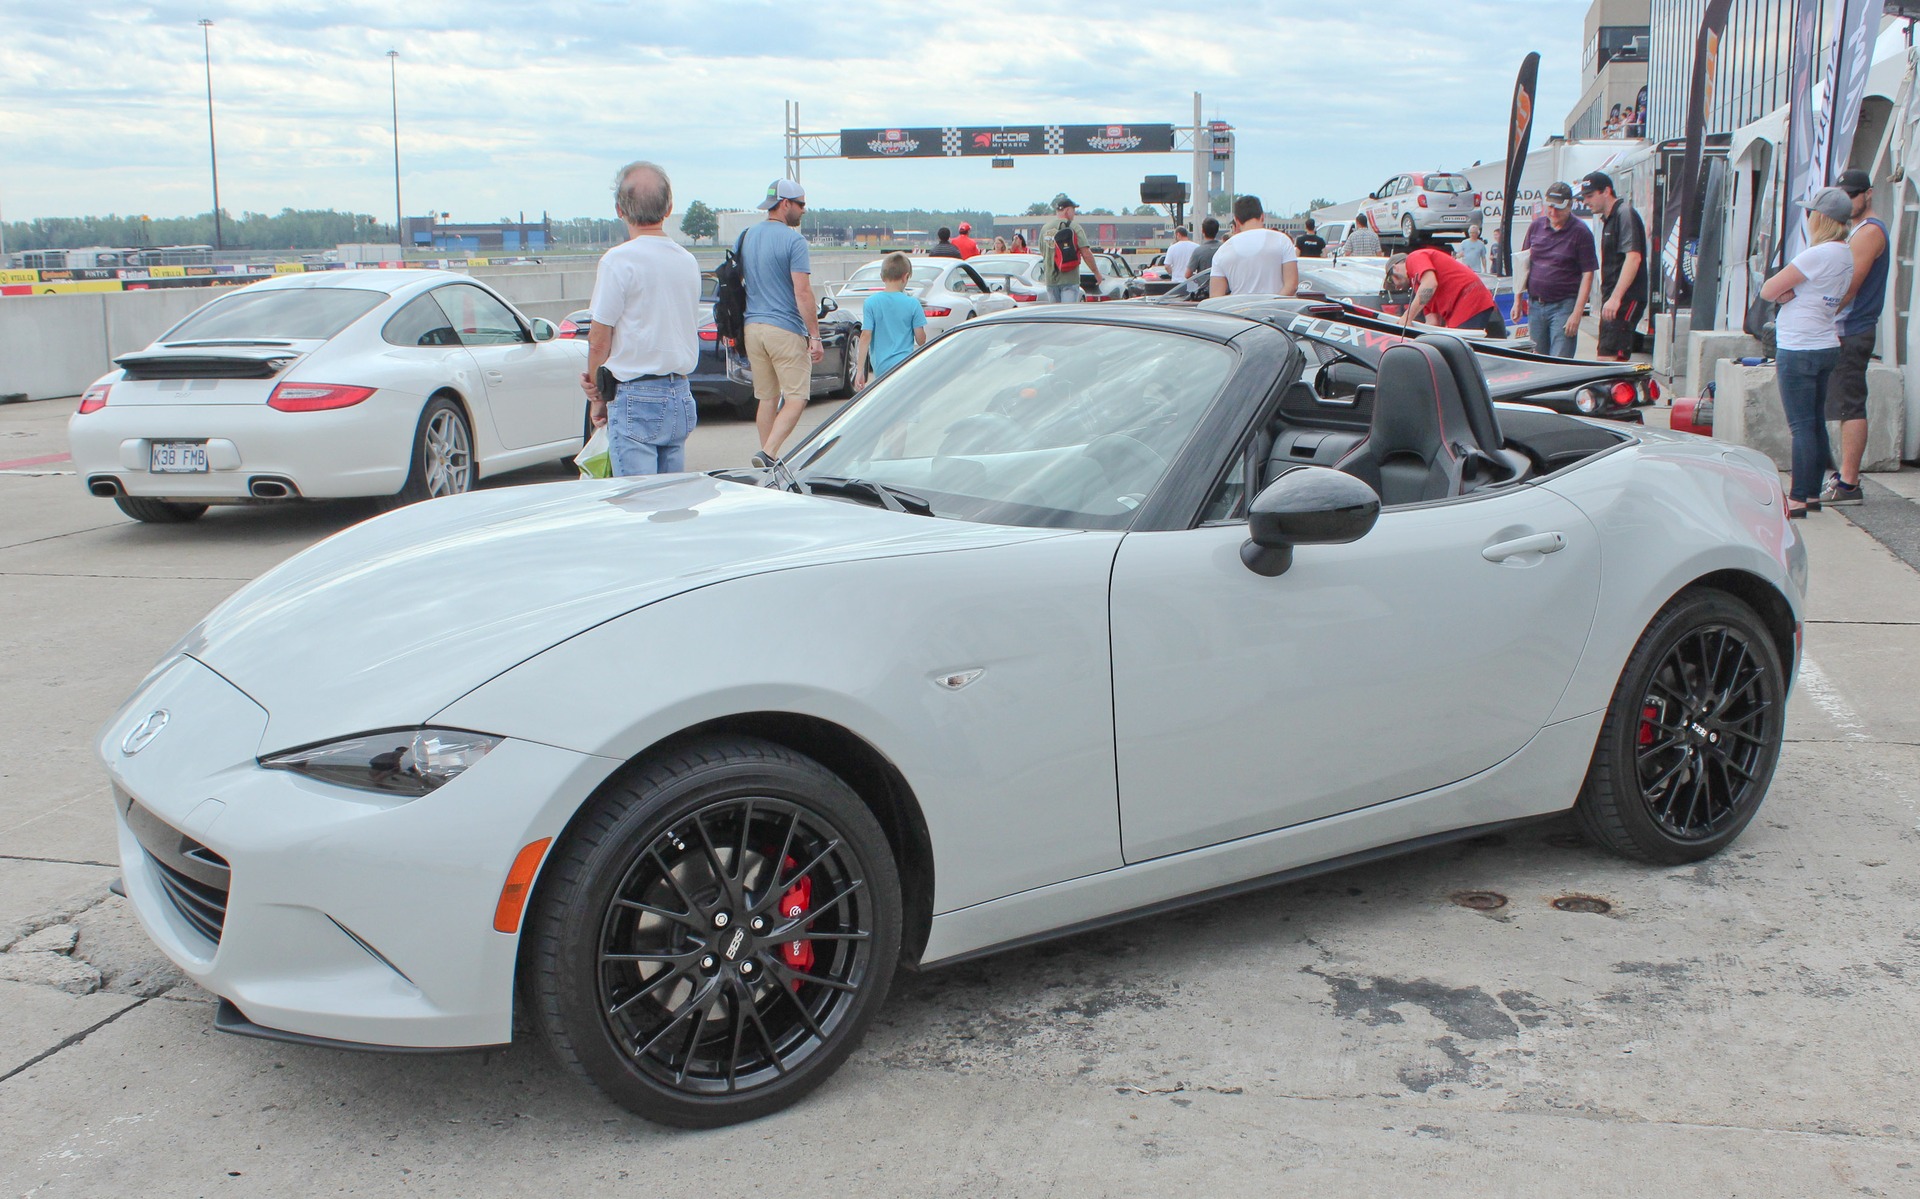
{"points": [[56, 345], [1708, 347], [1747, 411]]}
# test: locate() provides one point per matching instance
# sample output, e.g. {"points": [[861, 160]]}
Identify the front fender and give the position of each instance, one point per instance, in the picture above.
{"points": [[1014, 770]]}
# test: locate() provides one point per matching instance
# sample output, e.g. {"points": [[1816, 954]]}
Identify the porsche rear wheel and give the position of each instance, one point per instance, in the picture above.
{"points": [[714, 935], [442, 462], [1692, 736]]}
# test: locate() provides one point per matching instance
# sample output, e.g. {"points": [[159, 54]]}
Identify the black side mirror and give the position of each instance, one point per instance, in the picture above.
{"points": [[828, 304], [1306, 505]]}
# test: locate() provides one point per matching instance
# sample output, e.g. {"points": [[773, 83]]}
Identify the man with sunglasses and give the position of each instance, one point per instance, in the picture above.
{"points": [[782, 318]]}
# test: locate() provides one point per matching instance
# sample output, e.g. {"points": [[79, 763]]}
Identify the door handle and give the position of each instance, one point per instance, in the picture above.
{"points": [[496, 376], [1539, 543]]}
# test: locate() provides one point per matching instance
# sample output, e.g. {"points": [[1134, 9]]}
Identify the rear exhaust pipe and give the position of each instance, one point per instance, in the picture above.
{"points": [[104, 486], [268, 488]]}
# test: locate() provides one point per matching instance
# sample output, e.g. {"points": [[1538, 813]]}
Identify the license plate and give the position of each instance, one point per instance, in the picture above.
{"points": [[179, 457]]}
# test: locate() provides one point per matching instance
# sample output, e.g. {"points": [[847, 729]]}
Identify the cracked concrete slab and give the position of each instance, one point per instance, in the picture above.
{"points": [[38, 1019]]}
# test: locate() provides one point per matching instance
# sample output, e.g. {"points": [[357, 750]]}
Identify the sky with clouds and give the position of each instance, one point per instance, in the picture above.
{"points": [[530, 106]]}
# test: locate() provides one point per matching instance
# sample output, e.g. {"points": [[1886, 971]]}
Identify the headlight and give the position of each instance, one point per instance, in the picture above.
{"points": [[409, 762], [1586, 400]]}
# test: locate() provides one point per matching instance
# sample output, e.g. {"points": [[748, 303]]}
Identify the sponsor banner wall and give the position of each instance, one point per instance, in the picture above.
{"points": [[967, 141]]}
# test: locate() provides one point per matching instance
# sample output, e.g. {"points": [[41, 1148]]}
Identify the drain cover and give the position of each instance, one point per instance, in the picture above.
{"points": [[1583, 903], [1481, 901]]}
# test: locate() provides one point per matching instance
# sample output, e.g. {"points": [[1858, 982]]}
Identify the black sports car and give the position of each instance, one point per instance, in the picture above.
{"points": [[1349, 343]]}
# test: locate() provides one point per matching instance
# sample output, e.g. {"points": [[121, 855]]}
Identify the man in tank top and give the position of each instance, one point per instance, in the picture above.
{"points": [[1857, 325]]}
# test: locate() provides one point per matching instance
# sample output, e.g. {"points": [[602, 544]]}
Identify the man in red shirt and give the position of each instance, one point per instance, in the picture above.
{"points": [[1447, 290], [964, 241]]}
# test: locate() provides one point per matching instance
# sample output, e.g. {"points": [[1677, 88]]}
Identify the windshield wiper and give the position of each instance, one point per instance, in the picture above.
{"points": [[893, 499]]}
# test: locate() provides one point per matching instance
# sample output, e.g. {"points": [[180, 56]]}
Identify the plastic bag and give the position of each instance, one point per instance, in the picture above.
{"points": [[595, 458]]}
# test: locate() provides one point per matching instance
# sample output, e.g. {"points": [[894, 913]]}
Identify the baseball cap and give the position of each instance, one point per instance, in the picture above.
{"points": [[1063, 201], [782, 189], [1596, 181], [1855, 181], [965, 227], [1833, 203], [1559, 195]]}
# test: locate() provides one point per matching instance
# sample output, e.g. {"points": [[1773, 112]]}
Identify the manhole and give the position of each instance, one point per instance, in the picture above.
{"points": [[1481, 901], [1567, 841], [1583, 903]]}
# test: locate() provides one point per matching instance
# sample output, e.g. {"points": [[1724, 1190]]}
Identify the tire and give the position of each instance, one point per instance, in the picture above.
{"points": [[159, 512], [1692, 736], [850, 357], [1408, 231], [643, 962], [442, 455]]}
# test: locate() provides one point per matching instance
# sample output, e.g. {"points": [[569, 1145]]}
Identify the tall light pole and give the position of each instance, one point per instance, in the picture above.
{"points": [[393, 80], [213, 153]]}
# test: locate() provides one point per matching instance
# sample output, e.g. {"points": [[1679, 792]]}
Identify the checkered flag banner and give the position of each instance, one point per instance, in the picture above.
{"points": [[950, 140], [1053, 140]]}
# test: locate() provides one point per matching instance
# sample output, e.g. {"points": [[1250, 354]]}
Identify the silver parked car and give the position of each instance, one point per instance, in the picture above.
{"points": [[1123, 612], [950, 291], [1418, 206]]}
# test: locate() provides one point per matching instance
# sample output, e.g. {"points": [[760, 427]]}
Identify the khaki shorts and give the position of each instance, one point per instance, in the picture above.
{"points": [[778, 359]]}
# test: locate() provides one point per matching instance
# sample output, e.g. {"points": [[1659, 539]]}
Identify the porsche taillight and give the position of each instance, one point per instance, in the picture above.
{"points": [[95, 399], [709, 332], [1624, 394], [316, 397]]}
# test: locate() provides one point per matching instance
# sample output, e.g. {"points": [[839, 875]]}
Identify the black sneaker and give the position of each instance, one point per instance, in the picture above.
{"points": [[1839, 494]]}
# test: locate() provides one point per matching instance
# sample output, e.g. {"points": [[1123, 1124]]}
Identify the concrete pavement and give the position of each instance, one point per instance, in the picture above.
{"points": [[1746, 1026]]}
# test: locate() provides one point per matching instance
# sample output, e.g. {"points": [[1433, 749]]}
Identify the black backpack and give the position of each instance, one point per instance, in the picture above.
{"points": [[1066, 250], [730, 296]]}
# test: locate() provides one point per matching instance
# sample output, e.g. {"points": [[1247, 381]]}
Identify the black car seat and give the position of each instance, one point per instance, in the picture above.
{"points": [[1501, 465], [1417, 447]]}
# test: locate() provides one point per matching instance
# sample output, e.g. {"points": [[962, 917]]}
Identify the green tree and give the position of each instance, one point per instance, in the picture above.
{"points": [[1038, 208], [1100, 212], [1320, 202], [1221, 205], [1145, 210], [699, 221]]}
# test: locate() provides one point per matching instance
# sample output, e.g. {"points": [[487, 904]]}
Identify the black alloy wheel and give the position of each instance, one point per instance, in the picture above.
{"points": [[714, 936], [1692, 736], [849, 359]]}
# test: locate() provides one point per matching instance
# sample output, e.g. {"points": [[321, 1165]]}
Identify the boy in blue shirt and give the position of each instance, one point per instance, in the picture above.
{"points": [[892, 322]]}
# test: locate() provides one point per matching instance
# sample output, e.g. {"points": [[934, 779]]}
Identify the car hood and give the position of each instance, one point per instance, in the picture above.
{"points": [[387, 622]]}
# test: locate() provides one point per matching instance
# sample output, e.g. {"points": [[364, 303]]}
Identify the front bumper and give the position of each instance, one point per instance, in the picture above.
{"points": [[346, 917]]}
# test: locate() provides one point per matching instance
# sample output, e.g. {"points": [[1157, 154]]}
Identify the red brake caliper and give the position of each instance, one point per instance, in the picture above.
{"points": [[1648, 715], [798, 955]]}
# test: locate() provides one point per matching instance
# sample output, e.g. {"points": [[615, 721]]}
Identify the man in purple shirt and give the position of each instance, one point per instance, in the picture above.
{"points": [[1558, 276]]}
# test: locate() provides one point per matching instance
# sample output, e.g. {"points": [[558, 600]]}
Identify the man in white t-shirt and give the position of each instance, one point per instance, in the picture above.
{"points": [[1180, 255], [646, 296], [1256, 261]]}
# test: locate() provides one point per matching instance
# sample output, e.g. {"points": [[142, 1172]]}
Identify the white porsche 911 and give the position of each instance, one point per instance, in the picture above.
{"points": [[409, 384], [1119, 612]]}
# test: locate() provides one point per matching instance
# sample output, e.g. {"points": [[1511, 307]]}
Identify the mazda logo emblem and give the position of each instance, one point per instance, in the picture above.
{"points": [[144, 732]]}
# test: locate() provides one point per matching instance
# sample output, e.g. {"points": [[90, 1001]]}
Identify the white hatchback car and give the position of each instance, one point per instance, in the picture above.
{"points": [[949, 290], [402, 383], [1410, 207]]}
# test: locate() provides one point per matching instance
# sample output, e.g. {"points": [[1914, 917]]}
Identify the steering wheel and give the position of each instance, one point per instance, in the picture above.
{"points": [[1129, 465]]}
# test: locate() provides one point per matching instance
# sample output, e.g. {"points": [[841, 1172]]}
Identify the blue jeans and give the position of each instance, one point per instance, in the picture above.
{"points": [[1547, 325], [1802, 375], [1064, 295], [648, 423]]}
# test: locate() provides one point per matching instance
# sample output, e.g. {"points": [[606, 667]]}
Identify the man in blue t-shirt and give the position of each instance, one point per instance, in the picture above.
{"points": [[892, 323], [1857, 324], [782, 319]]}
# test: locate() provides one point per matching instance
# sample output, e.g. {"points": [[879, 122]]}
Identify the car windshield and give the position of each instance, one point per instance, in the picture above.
{"points": [[278, 314], [1049, 425], [1447, 183], [867, 278], [1003, 264]]}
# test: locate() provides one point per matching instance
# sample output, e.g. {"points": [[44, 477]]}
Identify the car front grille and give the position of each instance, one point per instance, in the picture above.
{"points": [[195, 878]]}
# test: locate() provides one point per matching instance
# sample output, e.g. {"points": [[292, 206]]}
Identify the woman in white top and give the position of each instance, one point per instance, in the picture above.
{"points": [[1810, 290]]}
